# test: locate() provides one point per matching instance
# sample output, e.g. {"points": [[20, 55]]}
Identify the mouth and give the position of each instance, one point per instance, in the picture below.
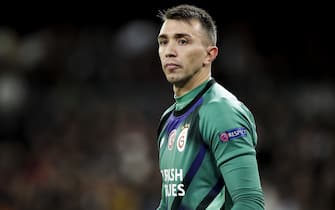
{"points": [[171, 66]]}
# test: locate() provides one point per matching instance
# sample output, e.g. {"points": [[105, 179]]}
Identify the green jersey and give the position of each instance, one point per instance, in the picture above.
{"points": [[207, 155]]}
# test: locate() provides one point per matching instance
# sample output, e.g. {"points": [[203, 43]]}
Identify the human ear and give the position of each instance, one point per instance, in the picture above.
{"points": [[212, 52]]}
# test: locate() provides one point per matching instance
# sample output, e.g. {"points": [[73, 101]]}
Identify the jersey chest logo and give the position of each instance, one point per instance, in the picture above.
{"points": [[181, 140], [172, 137]]}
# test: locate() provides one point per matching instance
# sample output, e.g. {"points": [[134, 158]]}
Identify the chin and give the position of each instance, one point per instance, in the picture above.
{"points": [[176, 79], [173, 80], [177, 82]]}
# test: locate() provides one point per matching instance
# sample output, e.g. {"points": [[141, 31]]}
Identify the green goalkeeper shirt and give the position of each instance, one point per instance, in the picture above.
{"points": [[207, 155]]}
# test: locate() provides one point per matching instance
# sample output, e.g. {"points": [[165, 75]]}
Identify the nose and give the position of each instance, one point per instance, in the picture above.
{"points": [[170, 50]]}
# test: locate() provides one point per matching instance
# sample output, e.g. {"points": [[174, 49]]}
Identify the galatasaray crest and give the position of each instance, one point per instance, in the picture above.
{"points": [[181, 141]]}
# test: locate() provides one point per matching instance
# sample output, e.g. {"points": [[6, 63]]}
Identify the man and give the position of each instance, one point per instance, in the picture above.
{"points": [[207, 138]]}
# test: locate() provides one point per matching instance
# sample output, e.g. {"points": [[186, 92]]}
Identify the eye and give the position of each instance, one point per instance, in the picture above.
{"points": [[162, 42], [182, 41]]}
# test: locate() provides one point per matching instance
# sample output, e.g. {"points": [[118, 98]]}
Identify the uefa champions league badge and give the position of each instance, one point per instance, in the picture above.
{"points": [[233, 134]]}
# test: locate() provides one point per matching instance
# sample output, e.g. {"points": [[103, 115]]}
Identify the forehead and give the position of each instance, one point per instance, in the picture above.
{"points": [[170, 27]]}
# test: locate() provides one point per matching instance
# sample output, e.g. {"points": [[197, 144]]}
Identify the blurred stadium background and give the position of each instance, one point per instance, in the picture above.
{"points": [[81, 93]]}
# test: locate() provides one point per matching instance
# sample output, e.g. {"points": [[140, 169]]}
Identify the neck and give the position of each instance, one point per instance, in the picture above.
{"points": [[193, 82]]}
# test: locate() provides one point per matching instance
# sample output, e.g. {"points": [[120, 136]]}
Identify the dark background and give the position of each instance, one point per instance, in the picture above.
{"points": [[81, 93]]}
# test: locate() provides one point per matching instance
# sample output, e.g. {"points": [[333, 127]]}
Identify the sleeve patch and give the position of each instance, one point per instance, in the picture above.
{"points": [[233, 134]]}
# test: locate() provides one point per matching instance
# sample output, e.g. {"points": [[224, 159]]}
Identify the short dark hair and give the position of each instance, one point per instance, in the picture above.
{"points": [[188, 12]]}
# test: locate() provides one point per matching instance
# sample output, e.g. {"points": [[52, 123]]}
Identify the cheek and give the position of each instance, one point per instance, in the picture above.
{"points": [[160, 55], [160, 52], [196, 58]]}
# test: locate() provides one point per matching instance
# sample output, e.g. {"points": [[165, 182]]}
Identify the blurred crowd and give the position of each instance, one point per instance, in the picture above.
{"points": [[79, 108]]}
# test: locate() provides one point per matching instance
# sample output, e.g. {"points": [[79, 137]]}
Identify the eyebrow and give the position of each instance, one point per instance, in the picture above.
{"points": [[179, 35]]}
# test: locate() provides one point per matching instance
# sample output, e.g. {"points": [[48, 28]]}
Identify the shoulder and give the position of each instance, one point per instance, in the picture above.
{"points": [[219, 100], [164, 117], [222, 108], [222, 111], [167, 111]]}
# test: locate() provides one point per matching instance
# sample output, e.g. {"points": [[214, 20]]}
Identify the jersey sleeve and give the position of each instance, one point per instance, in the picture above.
{"points": [[228, 128]]}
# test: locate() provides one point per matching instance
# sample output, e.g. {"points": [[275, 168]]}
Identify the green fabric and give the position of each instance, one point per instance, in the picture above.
{"points": [[182, 137]]}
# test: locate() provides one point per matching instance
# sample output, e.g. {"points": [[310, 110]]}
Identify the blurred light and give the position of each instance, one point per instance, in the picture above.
{"points": [[12, 93], [32, 50], [135, 37], [320, 100]]}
